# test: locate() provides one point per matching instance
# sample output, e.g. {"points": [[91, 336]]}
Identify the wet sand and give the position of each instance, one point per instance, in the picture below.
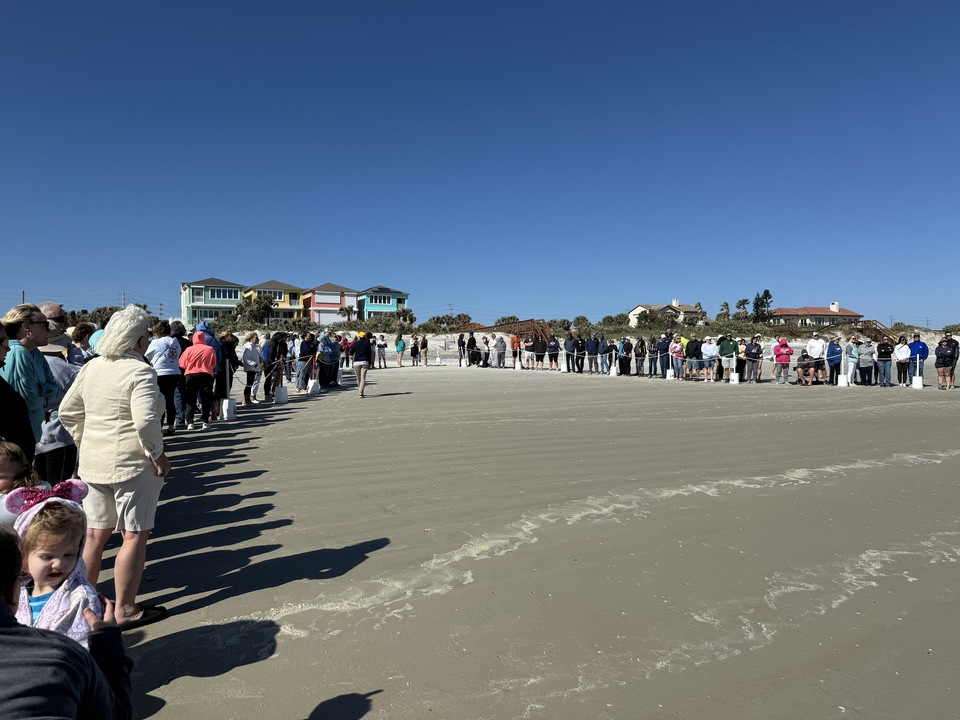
{"points": [[476, 544]]}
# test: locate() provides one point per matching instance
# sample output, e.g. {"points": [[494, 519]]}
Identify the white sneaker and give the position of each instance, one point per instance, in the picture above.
{"points": [[189, 426], [204, 426]]}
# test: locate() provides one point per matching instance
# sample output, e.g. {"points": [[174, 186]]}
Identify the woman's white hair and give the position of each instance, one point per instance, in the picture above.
{"points": [[122, 332]]}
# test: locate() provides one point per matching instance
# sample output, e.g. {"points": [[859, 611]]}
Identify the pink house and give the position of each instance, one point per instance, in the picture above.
{"points": [[322, 304]]}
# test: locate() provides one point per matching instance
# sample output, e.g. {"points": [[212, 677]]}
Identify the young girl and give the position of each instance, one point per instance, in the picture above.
{"points": [[15, 472], [52, 528]]}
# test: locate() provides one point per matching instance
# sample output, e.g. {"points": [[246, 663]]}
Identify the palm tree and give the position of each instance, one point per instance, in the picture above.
{"points": [[406, 315], [347, 312]]}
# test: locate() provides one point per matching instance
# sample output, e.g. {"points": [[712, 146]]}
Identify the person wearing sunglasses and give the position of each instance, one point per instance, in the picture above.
{"points": [[25, 367], [56, 317]]}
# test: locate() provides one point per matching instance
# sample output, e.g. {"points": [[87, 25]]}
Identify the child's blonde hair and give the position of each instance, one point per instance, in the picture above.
{"points": [[26, 476], [53, 524]]}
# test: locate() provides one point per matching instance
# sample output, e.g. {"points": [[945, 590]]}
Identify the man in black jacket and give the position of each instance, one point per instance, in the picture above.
{"points": [[692, 355], [473, 357]]}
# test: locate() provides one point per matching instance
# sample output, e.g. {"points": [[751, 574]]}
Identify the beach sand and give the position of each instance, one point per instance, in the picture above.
{"points": [[470, 543]]}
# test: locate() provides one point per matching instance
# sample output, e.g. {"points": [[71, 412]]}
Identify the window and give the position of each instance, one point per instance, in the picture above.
{"points": [[198, 295], [294, 297], [225, 293], [210, 314], [381, 300]]}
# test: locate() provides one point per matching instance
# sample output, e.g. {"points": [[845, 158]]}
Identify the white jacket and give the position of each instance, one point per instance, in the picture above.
{"points": [[111, 412], [252, 357]]}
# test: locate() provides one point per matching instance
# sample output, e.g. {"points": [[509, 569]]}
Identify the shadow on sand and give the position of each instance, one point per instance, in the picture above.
{"points": [[219, 575], [344, 707], [208, 651]]}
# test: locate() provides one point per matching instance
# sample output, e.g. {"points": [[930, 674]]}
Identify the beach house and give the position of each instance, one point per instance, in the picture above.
{"points": [[674, 312], [814, 316], [323, 303], [380, 300], [207, 299], [288, 298]]}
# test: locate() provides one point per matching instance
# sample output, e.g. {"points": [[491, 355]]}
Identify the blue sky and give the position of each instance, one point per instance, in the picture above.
{"points": [[539, 159]]}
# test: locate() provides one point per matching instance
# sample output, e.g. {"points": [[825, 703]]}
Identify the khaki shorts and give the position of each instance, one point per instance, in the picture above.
{"points": [[129, 505]]}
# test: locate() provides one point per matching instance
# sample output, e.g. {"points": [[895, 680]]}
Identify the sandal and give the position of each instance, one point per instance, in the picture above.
{"points": [[149, 614]]}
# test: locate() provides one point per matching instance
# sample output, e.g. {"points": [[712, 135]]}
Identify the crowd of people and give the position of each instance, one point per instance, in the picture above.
{"points": [[686, 357]]}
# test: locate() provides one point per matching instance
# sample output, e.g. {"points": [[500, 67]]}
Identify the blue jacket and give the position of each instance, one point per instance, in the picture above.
{"points": [[204, 327], [28, 373], [834, 353], [593, 346], [918, 347]]}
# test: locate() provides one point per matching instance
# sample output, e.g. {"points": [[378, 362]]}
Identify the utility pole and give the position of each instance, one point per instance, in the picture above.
{"points": [[23, 297]]}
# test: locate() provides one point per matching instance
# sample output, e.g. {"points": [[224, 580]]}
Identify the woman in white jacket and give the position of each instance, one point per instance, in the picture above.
{"points": [[163, 354], [252, 360], [111, 412], [901, 356]]}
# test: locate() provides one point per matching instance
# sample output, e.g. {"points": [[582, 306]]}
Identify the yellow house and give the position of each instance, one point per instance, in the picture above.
{"points": [[289, 298]]}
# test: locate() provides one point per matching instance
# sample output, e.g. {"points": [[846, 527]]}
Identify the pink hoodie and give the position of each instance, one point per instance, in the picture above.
{"points": [[782, 352], [201, 358]]}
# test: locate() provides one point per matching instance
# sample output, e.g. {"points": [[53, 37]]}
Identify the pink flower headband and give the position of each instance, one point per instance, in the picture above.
{"points": [[22, 499]]}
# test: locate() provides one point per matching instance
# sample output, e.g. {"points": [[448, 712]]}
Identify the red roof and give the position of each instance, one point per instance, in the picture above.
{"points": [[811, 310]]}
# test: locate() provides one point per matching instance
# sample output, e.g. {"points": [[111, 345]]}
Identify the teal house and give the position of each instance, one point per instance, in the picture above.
{"points": [[380, 300]]}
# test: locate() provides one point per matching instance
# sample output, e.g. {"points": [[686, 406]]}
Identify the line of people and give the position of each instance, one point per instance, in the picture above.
{"points": [[717, 359]]}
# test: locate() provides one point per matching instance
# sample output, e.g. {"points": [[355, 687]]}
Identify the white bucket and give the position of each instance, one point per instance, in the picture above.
{"points": [[313, 388], [228, 409], [734, 378], [670, 374], [842, 381], [280, 395], [917, 382]]}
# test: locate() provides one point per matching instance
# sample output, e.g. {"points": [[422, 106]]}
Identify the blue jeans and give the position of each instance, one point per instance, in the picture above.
{"points": [[652, 364], [179, 404], [883, 370], [678, 367], [304, 368], [913, 367], [604, 365]]}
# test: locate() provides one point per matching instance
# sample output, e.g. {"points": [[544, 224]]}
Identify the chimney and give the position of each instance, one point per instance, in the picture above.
{"points": [[835, 307], [675, 302]]}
